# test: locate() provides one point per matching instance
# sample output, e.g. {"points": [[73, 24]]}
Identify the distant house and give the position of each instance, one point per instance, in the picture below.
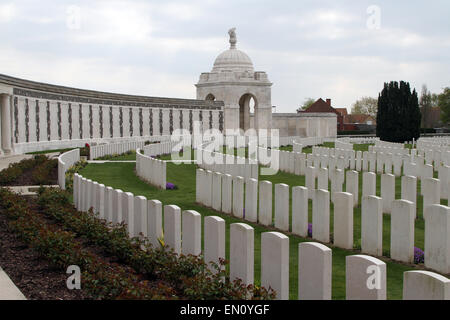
{"points": [[360, 119], [362, 122], [325, 106]]}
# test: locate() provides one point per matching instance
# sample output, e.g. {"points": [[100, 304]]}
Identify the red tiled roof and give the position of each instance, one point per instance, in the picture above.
{"points": [[320, 106], [342, 111]]}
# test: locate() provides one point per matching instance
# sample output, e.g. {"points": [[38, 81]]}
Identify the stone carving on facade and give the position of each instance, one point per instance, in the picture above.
{"points": [[233, 39], [130, 121], [16, 121], [190, 104], [121, 121], [100, 116], [150, 114], [80, 120], [70, 121], [38, 131], [171, 121], [91, 129], [111, 127], [27, 121], [160, 122], [59, 121], [221, 120], [141, 128], [210, 119], [48, 122], [181, 119]]}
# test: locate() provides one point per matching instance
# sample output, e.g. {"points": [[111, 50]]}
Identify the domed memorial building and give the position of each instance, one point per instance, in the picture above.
{"points": [[246, 95], [234, 81]]}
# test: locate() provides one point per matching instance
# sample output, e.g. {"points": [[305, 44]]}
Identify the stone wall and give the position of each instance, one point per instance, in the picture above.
{"points": [[37, 116], [303, 125]]}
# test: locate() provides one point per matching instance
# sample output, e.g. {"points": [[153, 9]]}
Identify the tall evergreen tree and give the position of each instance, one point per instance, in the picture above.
{"points": [[398, 117]]}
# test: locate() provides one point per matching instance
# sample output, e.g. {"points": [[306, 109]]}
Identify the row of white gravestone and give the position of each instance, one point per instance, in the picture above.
{"points": [[182, 232], [235, 196], [227, 164], [343, 145], [152, 170], [144, 217], [300, 143], [113, 148], [386, 161], [432, 189], [167, 147], [65, 161]]}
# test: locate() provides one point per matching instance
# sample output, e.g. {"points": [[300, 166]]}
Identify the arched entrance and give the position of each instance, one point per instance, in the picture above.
{"points": [[210, 97], [247, 105]]}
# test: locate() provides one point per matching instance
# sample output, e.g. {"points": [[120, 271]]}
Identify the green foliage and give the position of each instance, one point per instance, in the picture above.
{"points": [[84, 151], [306, 104], [398, 117], [129, 155], [444, 104], [365, 105], [101, 279], [72, 170], [42, 173], [40, 167], [187, 276]]}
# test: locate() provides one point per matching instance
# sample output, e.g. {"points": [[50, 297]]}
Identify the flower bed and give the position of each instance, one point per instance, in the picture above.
{"points": [[101, 279], [38, 170], [143, 274]]}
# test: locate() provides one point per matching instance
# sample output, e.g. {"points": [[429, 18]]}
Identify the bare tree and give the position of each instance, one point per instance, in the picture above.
{"points": [[365, 105], [426, 103]]}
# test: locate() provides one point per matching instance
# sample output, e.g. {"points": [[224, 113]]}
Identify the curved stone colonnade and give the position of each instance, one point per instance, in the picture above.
{"points": [[37, 116]]}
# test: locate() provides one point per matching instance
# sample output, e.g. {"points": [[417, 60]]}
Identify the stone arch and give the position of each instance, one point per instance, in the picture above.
{"points": [[247, 102], [210, 97]]}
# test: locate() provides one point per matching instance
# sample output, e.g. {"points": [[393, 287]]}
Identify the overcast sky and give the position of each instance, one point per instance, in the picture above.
{"points": [[341, 50]]}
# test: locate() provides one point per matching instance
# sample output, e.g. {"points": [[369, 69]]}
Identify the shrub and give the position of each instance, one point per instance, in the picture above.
{"points": [[15, 170], [103, 280], [42, 173], [72, 170], [85, 151], [188, 275]]}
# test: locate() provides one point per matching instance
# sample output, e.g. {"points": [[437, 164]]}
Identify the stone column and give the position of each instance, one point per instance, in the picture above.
{"points": [[5, 100]]}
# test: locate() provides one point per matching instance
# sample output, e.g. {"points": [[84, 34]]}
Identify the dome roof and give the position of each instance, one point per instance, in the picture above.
{"points": [[233, 60]]}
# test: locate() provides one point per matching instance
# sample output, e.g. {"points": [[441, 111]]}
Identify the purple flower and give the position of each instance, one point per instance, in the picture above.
{"points": [[418, 255], [170, 186], [309, 229]]}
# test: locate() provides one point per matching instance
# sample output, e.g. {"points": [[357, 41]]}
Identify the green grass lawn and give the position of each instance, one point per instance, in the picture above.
{"points": [[121, 175]]}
